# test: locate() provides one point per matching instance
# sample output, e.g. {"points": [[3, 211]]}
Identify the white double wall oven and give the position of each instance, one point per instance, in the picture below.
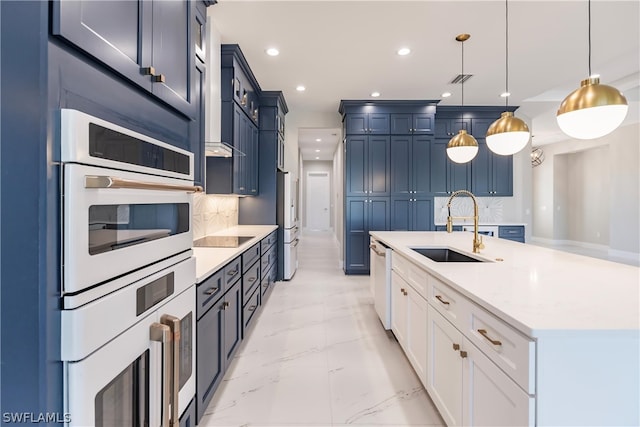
{"points": [[128, 281]]}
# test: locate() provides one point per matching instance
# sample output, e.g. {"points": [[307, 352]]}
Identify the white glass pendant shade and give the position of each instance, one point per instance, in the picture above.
{"points": [[507, 135], [462, 148], [592, 111]]}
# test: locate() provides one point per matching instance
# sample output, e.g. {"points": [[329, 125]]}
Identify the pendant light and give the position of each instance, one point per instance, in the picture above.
{"points": [[463, 147], [508, 134], [593, 110]]}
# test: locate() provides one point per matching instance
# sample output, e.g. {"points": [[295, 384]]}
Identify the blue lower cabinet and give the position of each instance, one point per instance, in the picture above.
{"points": [[363, 215], [512, 232], [219, 333], [444, 228], [250, 310], [188, 418]]}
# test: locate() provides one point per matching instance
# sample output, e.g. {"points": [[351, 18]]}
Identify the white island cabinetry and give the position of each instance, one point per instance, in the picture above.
{"points": [[529, 337]]}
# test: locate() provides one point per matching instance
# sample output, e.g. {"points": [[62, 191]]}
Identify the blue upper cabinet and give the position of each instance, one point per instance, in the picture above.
{"points": [[491, 174], [147, 42], [446, 176], [367, 166], [412, 124], [367, 123], [410, 160]]}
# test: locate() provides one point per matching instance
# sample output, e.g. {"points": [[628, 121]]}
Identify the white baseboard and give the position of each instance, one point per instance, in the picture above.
{"points": [[631, 256]]}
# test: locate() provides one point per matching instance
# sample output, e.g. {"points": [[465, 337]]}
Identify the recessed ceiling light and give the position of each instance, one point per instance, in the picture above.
{"points": [[318, 140], [505, 94], [375, 94], [272, 51], [446, 94], [300, 88], [404, 51], [317, 151]]}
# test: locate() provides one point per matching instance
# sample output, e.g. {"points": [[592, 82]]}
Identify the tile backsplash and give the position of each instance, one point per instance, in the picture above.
{"points": [[490, 209], [213, 213]]}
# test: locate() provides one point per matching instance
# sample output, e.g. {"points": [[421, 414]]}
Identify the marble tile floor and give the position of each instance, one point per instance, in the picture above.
{"points": [[318, 356]]}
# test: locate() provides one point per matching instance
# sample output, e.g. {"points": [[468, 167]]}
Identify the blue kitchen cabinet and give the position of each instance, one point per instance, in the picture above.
{"points": [[188, 417], [232, 307], [410, 163], [444, 228], [367, 123], [367, 165], [411, 214], [363, 215], [446, 176], [411, 123], [492, 174], [240, 114], [511, 232], [197, 143], [450, 126], [147, 42]]}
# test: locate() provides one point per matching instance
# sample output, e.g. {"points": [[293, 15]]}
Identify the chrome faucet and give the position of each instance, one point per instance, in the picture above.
{"points": [[477, 240]]}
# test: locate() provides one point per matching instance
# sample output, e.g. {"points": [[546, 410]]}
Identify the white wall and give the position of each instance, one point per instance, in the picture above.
{"points": [[338, 197], [619, 171]]}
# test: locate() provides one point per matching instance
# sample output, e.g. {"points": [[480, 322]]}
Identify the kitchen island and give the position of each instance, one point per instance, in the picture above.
{"points": [[527, 336]]}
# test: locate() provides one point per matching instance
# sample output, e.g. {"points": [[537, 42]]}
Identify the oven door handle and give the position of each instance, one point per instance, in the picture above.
{"points": [[174, 325], [101, 181], [162, 333]]}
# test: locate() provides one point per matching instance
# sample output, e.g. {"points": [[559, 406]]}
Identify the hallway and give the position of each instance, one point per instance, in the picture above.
{"points": [[318, 356]]}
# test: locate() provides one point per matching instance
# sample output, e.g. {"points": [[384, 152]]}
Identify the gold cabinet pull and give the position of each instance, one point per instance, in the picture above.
{"points": [[439, 298], [210, 291], [463, 354], [148, 71], [484, 333], [159, 78], [456, 347], [225, 304]]}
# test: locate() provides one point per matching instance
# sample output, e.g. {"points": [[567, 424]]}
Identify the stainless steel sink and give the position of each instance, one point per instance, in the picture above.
{"points": [[445, 255]]}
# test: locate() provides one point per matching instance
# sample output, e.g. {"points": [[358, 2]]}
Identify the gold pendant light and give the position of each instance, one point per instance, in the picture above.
{"points": [[463, 147], [593, 110], [508, 134]]}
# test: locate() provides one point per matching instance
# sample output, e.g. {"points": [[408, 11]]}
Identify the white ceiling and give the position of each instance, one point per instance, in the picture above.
{"points": [[347, 49]]}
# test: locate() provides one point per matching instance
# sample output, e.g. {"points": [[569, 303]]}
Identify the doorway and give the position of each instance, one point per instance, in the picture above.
{"points": [[318, 206]]}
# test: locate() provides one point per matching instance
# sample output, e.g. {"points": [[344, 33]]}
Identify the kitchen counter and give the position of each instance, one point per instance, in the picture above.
{"points": [[209, 260], [537, 290]]}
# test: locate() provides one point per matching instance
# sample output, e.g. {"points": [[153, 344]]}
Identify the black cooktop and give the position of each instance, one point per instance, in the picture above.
{"points": [[221, 241]]}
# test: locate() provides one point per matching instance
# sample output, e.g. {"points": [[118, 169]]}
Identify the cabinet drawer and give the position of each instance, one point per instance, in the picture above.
{"points": [[513, 352], [413, 275], [232, 271], [250, 281], [250, 310], [250, 256], [267, 259], [268, 241], [209, 291], [447, 301], [511, 231]]}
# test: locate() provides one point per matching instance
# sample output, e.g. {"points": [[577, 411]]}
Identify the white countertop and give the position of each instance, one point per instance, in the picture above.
{"points": [[537, 290], [210, 260]]}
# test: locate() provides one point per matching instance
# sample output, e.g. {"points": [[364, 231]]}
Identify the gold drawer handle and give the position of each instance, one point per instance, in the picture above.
{"points": [[210, 291], [483, 332], [456, 347], [439, 298], [463, 354]]}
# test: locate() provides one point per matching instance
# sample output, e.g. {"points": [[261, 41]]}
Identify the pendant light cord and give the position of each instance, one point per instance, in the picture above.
{"points": [[463, 78], [506, 50], [589, 38]]}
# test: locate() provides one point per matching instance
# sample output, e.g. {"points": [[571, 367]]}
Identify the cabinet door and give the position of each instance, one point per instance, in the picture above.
{"points": [[210, 359], [378, 123], [197, 147], [356, 181], [422, 214], [417, 333], [116, 33], [401, 124], [438, 169], [459, 176], [502, 175], [173, 54], [422, 124], [378, 166], [482, 172], [401, 160], [378, 214], [253, 161], [491, 397], [357, 238], [357, 124], [401, 214], [420, 161], [232, 322], [399, 308], [444, 367]]}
